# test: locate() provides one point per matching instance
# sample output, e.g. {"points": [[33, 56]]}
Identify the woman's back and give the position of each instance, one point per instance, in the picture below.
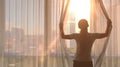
{"points": [[84, 44]]}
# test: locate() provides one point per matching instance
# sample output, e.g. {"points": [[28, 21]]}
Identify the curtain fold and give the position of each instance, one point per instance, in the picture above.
{"points": [[32, 37], [98, 20], [99, 60]]}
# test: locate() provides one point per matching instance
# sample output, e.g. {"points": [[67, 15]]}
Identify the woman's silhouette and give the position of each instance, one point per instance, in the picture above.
{"points": [[84, 42]]}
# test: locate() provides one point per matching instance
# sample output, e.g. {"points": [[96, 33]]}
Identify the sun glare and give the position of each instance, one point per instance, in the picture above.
{"points": [[81, 8]]}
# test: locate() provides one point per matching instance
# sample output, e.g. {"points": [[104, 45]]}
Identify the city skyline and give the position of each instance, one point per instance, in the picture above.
{"points": [[17, 43]]}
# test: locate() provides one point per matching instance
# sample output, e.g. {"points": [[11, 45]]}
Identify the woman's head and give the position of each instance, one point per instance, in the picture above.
{"points": [[83, 24]]}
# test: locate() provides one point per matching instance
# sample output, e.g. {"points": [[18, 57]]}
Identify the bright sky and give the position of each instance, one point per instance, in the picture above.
{"points": [[81, 8]]}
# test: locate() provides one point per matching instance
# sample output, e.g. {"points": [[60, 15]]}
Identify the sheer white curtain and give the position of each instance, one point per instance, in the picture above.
{"points": [[24, 33], [32, 34], [98, 24], [2, 28], [31, 38]]}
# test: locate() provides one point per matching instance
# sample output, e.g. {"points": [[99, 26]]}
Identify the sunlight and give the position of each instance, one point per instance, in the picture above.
{"points": [[81, 8]]}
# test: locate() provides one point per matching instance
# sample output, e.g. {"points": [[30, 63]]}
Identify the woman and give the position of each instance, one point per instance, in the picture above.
{"points": [[84, 41]]}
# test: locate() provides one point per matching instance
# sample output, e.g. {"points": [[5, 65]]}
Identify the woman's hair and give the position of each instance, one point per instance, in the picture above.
{"points": [[83, 23]]}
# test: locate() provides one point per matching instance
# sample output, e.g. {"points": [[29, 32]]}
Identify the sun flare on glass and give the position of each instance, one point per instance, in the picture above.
{"points": [[81, 8]]}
